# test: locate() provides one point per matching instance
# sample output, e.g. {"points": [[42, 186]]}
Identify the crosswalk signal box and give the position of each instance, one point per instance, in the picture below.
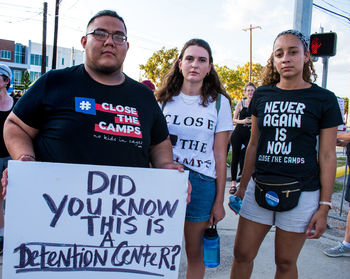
{"points": [[323, 44]]}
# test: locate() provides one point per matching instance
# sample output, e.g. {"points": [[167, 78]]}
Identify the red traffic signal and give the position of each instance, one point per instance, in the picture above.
{"points": [[323, 44]]}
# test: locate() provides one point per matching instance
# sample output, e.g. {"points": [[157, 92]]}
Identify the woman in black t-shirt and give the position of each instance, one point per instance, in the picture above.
{"points": [[288, 113], [241, 133]]}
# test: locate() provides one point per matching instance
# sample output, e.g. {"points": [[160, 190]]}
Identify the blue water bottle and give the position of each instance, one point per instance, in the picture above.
{"points": [[211, 247], [235, 203]]}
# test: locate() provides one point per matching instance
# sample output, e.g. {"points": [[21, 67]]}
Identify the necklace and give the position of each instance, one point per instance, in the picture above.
{"points": [[188, 101]]}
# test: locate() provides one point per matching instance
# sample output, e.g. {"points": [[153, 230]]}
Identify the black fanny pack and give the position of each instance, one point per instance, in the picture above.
{"points": [[277, 193]]}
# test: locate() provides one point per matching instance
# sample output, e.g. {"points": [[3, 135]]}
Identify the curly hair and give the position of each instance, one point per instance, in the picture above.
{"points": [[173, 80], [271, 76]]}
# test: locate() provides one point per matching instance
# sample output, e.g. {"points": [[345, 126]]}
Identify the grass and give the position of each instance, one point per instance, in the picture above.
{"points": [[338, 187], [341, 161], [229, 157]]}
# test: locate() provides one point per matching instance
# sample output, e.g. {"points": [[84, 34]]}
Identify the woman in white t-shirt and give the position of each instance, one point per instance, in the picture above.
{"points": [[198, 113]]}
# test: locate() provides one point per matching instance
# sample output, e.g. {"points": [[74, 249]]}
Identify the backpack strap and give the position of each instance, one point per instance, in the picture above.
{"points": [[163, 106], [218, 103]]}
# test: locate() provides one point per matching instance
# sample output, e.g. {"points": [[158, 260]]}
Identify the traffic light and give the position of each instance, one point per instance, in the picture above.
{"points": [[323, 44]]}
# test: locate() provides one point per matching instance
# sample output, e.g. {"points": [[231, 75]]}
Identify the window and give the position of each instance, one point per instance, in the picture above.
{"points": [[5, 54], [19, 54], [34, 76], [73, 62], [62, 61], [17, 76], [35, 59]]}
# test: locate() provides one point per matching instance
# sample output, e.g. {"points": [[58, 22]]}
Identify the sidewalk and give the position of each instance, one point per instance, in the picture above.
{"points": [[312, 263]]}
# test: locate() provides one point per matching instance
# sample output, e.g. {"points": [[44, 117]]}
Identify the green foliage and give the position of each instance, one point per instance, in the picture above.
{"points": [[231, 80], [25, 82], [346, 104], [229, 157], [234, 80], [158, 65], [338, 187], [257, 70]]}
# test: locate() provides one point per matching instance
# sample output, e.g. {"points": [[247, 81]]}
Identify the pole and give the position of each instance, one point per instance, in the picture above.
{"points": [[250, 28], [251, 59], [43, 49], [325, 66], [54, 51], [303, 16], [325, 71]]}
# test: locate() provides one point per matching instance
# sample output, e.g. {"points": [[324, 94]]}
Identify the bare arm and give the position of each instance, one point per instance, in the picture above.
{"points": [[328, 163], [220, 155], [250, 157], [236, 119], [162, 155], [18, 137], [344, 136]]}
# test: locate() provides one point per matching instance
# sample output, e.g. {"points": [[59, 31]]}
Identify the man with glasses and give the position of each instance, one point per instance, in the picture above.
{"points": [[91, 113]]}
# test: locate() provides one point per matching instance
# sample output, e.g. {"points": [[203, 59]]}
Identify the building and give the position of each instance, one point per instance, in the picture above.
{"points": [[21, 58]]}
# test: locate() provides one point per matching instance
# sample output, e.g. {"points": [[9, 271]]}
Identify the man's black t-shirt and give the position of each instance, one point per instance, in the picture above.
{"points": [[82, 121], [289, 122]]}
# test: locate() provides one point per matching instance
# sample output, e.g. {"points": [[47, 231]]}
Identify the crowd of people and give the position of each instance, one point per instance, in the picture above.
{"points": [[285, 182]]}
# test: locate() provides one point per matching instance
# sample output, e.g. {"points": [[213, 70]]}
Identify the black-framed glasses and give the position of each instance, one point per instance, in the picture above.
{"points": [[102, 35]]}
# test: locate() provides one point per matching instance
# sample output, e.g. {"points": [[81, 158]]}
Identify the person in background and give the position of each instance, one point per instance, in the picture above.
{"points": [[343, 248], [6, 105], [241, 133], [16, 95], [198, 113], [289, 112], [149, 84]]}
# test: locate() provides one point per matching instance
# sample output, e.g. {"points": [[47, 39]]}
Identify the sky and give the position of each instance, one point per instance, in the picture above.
{"points": [[154, 24]]}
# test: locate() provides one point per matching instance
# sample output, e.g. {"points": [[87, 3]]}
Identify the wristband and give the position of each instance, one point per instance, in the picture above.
{"points": [[326, 203]]}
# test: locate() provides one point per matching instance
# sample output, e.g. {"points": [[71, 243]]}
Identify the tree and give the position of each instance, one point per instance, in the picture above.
{"points": [[25, 82], [158, 65], [231, 80], [234, 80], [257, 70], [346, 108]]}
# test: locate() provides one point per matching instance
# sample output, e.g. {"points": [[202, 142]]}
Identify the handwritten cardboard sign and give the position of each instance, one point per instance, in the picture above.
{"points": [[341, 102], [86, 221]]}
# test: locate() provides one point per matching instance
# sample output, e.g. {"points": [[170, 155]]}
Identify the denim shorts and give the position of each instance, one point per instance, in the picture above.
{"points": [[202, 197], [294, 220]]}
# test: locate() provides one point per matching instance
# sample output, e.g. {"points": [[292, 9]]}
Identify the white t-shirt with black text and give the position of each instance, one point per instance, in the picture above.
{"points": [[192, 128]]}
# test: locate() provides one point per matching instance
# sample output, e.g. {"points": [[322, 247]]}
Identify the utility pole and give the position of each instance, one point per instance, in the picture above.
{"points": [[303, 16], [43, 49], [325, 60], [54, 51], [250, 28]]}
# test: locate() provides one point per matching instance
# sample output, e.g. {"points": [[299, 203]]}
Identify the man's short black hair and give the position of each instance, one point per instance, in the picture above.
{"points": [[107, 13]]}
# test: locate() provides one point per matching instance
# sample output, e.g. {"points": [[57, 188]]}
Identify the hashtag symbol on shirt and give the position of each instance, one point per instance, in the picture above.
{"points": [[85, 105]]}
